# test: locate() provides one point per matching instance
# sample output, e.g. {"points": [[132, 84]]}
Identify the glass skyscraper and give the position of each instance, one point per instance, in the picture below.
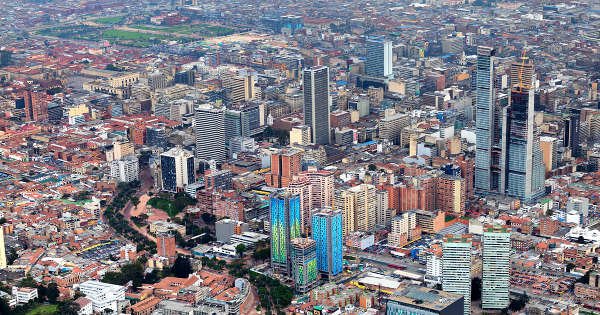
{"points": [[285, 225], [327, 232], [496, 266], [304, 264], [456, 267]]}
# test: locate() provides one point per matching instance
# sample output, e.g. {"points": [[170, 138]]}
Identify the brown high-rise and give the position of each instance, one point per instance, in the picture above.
{"points": [[36, 105], [284, 165]]}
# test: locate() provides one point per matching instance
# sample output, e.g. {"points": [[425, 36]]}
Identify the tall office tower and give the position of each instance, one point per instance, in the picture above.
{"points": [[496, 266], [316, 103], [358, 205], [571, 132], [285, 164], [125, 170], [36, 105], [488, 170], [327, 232], [177, 169], [2, 249], [304, 264], [404, 229], [301, 186], [523, 156], [456, 267], [285, 225], [209, 125], [379, 57], [165, 246]]}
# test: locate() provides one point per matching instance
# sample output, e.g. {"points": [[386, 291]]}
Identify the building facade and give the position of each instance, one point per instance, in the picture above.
{"points": [[316, 104], [327, 232]]}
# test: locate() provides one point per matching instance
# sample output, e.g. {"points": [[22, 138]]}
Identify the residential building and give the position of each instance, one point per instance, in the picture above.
{"points": [[125, 170], [165, 246], [284, 165]]}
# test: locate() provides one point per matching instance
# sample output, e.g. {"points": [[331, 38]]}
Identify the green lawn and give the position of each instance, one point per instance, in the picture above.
{"points": [[109, 20], [44, 310], [205, 30]]}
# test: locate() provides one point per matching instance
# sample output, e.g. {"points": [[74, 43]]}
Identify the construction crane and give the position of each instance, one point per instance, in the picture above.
{"points": [[520, 72]]}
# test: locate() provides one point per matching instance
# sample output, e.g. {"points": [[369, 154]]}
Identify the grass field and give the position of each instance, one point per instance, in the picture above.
{"points": [[135, 39], [204, 30], [83, 32], [109, 20], [44, 310]]}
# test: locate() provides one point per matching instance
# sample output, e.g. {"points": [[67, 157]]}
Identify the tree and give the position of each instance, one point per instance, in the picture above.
{"points": [[208, 218], [28, 282], [261, 253], [68, 308], [52, 292], [182, 267], [372, 167], [240, 249]]}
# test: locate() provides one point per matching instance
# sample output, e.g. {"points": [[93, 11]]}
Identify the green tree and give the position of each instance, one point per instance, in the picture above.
{"points": [[240, 249], [182, 267], [372, 167], [52, 292], [68, 308], [28, 282]]}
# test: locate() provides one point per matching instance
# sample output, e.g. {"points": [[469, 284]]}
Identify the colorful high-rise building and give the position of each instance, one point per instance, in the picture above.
{"points": [[496, 267], [327, 232], [456, 267], [285, 225], [316, 103], [304, 264]]}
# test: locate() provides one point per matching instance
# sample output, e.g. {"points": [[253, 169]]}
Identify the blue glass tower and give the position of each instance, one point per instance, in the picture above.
{"points": [[327, 232], [285, 225]]}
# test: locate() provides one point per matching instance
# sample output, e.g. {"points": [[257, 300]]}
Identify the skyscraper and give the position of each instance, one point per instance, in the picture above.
{"points": [[36, 105], [359, 206], [209, 125], [523, 156], [456, 267], [285, 164], [496, 266], [177, 169], [488, 170], [571, 132], [379, 57], [316, 103], [327, 232], [304, 264], [285, 225]]}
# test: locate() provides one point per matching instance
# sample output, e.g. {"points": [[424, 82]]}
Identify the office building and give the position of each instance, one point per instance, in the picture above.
{"points": [[327, 232], [209, 125], [304, 264], [177, 169], [187, 77], [523, 156], [285, 225], [456, 267], [572, 133], [103, 295], [119, 151], [2, 249], [496, 267], [165, 246], [225, 228], [416, 300], [379, 57], [488, 165], [316, 104], [125, 170], [156, 136], [285, 164], [392, 124], [579, 206]]}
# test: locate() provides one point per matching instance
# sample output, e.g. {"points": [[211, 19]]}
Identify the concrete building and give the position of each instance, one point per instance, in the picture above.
{"points": [[359, 207], [24, 295], [165, 246], [225, 228], [379, 57], [549, 147], [300, 135], [284, 165], [391, 125], [404, 230], [2, 250], [103, 295], [125, 170], [496, 267], [415, 300], [209, 126], [317, 104], [456, 268]]}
